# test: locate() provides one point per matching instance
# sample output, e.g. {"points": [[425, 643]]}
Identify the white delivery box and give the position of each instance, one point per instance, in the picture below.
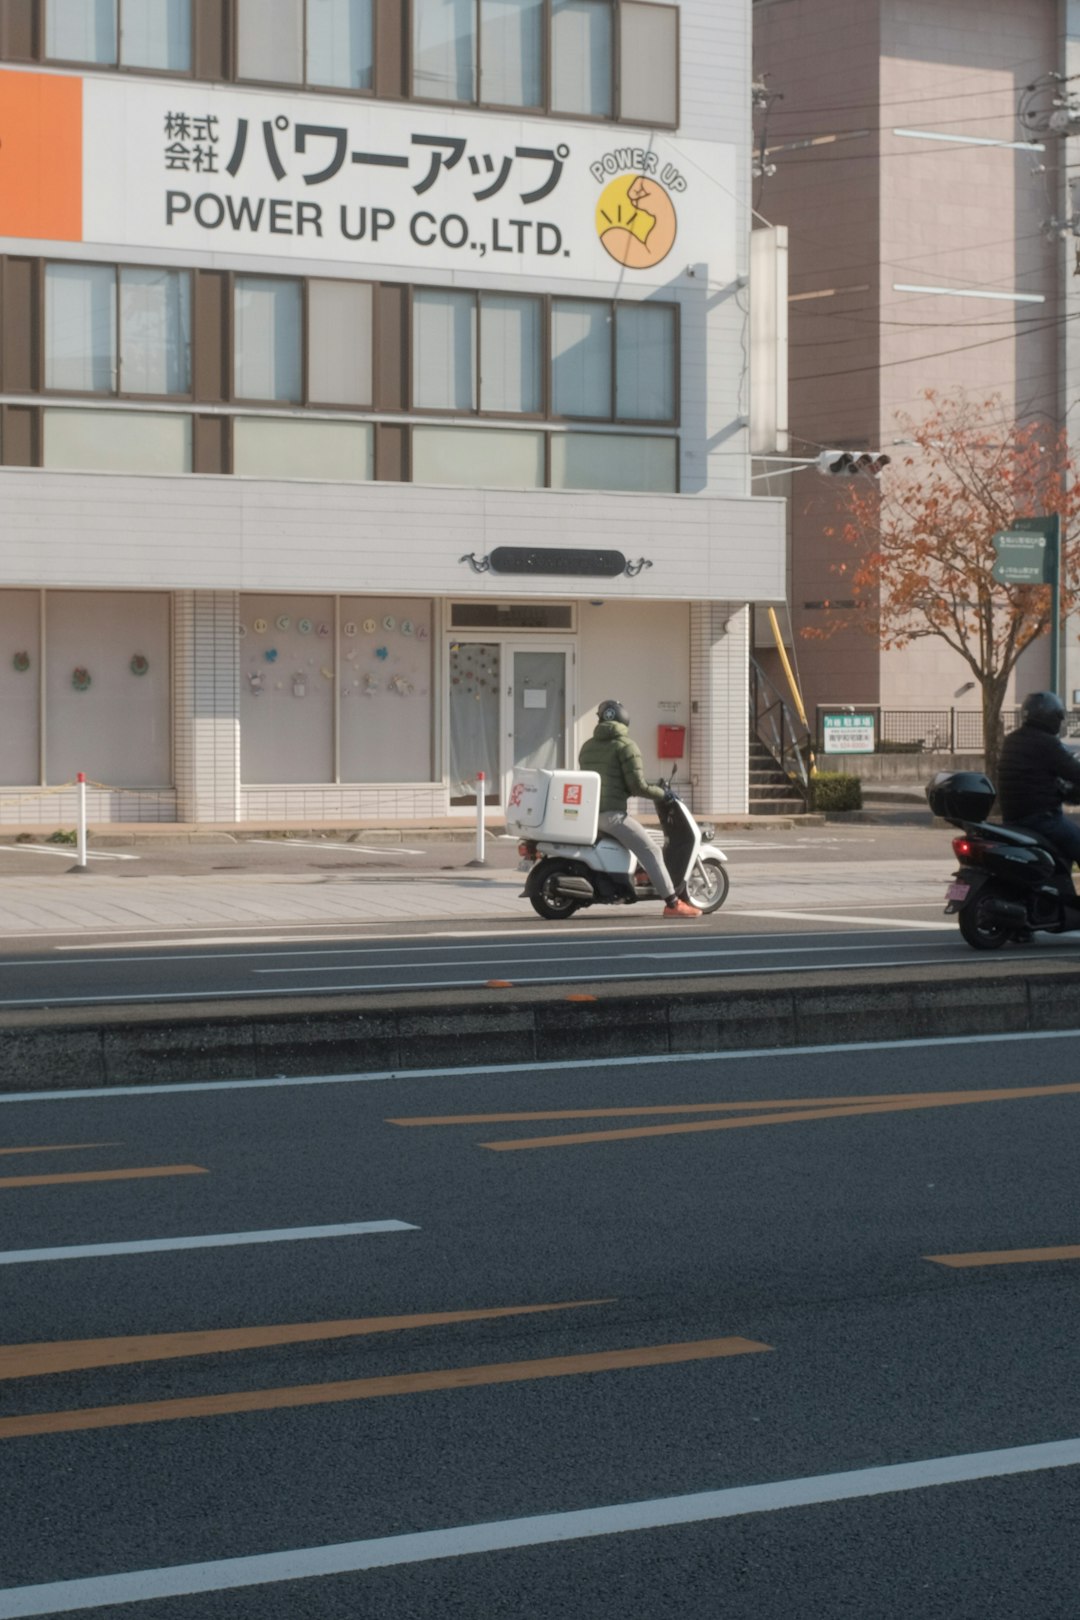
{"points": [[555, 806]]}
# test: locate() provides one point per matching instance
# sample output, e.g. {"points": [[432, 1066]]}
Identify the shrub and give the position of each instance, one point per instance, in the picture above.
{"points": [[832, 790]]}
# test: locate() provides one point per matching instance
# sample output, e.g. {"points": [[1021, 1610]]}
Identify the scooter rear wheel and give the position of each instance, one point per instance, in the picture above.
{"points": [[982, 930], [548, 903]]}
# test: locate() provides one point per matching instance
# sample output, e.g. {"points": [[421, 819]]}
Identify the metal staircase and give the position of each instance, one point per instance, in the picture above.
{"points": [[780, 752]]}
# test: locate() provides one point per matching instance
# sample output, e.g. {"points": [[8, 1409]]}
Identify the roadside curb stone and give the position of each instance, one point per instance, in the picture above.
{"points": [[405, 1032]]}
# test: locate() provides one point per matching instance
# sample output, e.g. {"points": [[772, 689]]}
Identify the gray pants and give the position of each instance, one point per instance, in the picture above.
{"points": [[632, 835]]}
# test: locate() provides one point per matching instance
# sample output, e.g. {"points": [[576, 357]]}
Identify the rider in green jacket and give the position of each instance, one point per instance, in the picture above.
{"points": [[616, 758]]}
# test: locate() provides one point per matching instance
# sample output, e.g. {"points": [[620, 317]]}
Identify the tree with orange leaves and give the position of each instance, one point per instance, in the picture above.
{"points": [[924, 557]]}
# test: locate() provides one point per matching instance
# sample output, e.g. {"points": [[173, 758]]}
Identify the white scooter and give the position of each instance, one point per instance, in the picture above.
{"points": [[571, 865]]}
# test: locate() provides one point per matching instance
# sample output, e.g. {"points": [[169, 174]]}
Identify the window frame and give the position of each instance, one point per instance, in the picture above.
{"points": [[478, 411], [119, 66], [545, 108], [614, 305], [236, 77], [117, 267], [547, 412], [306, 401]]}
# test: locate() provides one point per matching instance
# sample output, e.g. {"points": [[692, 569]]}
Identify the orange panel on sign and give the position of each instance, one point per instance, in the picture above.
{"points": [[41, 156]]}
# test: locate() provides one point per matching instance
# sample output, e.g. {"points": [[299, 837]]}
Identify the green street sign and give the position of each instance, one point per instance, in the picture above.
{"points": [[1027, 552]]}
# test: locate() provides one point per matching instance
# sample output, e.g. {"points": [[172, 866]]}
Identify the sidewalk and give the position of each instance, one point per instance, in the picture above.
{"points": [[156, 907]]}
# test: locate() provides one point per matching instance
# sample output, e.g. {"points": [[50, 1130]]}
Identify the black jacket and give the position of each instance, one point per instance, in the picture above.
{"points": [[1033, 766]]}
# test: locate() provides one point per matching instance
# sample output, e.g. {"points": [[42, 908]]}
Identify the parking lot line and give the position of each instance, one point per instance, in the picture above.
{"points": [[212, 1240], [1006, 1257], [361, 1389], [149, 1173], [77, 1355]]}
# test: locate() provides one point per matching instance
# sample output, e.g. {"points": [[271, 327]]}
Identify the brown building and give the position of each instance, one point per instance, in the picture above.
{"points": [[916, 208]]}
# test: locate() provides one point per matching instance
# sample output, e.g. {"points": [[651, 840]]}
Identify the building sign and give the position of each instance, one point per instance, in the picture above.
{"points": [[848, 733], [556, 560], [133, 164]]}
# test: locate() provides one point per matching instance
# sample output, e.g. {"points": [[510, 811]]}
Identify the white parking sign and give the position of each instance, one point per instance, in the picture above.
{"points": [[848, 733]]}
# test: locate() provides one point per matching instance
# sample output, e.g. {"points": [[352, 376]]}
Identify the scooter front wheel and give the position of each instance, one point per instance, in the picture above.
{"points": [[707, 886], [980, 928]]}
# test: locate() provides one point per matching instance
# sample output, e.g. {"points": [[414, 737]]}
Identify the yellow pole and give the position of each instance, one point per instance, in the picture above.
{"points": [[800, 708]]}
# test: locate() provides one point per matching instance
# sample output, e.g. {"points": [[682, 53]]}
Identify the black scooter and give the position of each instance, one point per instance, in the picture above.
{"points": [[1011, 883]]}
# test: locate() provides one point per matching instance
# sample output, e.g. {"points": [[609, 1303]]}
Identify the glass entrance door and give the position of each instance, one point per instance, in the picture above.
{"points": [[538, 708], [475, 685], [510, 704]]}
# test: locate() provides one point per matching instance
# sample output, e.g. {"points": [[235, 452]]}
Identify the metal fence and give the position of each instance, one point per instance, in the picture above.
{"points": [[925, 731]]}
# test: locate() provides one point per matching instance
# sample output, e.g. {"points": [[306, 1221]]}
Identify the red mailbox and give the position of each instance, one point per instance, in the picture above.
{"points": [[670, 742]]}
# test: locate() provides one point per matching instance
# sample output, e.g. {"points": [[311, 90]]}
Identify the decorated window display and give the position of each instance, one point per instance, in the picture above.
{"points": [[286, 655], [19, 687], [387, 697], [375, 674]]}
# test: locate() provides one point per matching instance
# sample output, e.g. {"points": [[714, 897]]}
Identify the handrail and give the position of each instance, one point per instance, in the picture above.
{"points": [[776, 728]]}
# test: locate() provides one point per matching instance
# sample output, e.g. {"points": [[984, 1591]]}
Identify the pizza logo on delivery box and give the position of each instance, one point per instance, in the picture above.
{"points": [[571, 793]]}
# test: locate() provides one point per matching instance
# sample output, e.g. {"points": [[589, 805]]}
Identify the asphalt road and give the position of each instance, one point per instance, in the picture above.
{"points": [[99, 975], [681, 1309]]}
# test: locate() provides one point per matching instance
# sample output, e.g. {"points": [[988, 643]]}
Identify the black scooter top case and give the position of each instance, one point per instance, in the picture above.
{"points": [[961, 796]]}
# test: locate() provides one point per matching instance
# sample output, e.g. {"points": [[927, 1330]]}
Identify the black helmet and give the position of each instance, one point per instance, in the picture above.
{"points": [[1043, 710], [612, 709]]}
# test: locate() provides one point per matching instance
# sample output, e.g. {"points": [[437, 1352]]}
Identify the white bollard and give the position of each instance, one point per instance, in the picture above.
{"points": [[81, 824], [480, 829]]}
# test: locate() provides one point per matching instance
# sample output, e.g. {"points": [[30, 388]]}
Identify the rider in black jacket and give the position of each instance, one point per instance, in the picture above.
{"points": [[1034, 772]]}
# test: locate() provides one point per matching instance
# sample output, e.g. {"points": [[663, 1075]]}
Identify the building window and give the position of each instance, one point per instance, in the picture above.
{"points": [[581, 57], [495, 52], [613, 360], [477, 352], [339, 343], [480, 458], [581, 358], [267, 338], [117, 441], [273, 447], [444, 350], [512, 53], [320, 42], [645, 362], [648, 63], [617, 461], [511, 361], [138, 33], [340, 43], [113, 331]]}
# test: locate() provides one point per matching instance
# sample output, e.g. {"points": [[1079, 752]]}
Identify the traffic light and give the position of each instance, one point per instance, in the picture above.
{"points": [[848, 463]]}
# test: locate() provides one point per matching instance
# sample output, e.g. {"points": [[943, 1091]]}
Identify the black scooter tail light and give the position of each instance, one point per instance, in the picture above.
{"points": [[970, 849]]}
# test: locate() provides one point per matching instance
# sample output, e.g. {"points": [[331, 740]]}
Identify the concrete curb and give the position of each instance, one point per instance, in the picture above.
{"points": [[124, 1046]]}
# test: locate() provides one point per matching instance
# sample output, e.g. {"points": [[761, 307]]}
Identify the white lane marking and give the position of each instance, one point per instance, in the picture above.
{"points": [[867, 922], [510, 961], [417, 945], [215, 1240], [319, 843], [67, 853], [542, 1530], [245, 992], [660, 1060]]}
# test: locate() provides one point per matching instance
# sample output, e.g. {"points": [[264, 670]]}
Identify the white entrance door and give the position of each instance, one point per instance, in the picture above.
{"points": [[511, 703]]}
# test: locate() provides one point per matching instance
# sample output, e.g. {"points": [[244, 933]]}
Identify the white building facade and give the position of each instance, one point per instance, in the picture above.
{"points": [[373, 399]]}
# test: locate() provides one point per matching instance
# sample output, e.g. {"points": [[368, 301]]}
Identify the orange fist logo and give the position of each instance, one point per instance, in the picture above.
{"points": [[636, 221]]}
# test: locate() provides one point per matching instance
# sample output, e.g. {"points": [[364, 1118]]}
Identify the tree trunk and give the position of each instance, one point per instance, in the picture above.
{"points": [[993, 699]]}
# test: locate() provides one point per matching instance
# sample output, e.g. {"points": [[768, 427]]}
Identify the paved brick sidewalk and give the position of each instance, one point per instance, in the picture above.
{"points": [[102, 904]]}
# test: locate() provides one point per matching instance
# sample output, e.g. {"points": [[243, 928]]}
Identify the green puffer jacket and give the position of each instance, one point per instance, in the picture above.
{"points": [[610, 752]]}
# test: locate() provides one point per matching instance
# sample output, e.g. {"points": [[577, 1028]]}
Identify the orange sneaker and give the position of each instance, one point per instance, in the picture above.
{"points": [[679, 908]]}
